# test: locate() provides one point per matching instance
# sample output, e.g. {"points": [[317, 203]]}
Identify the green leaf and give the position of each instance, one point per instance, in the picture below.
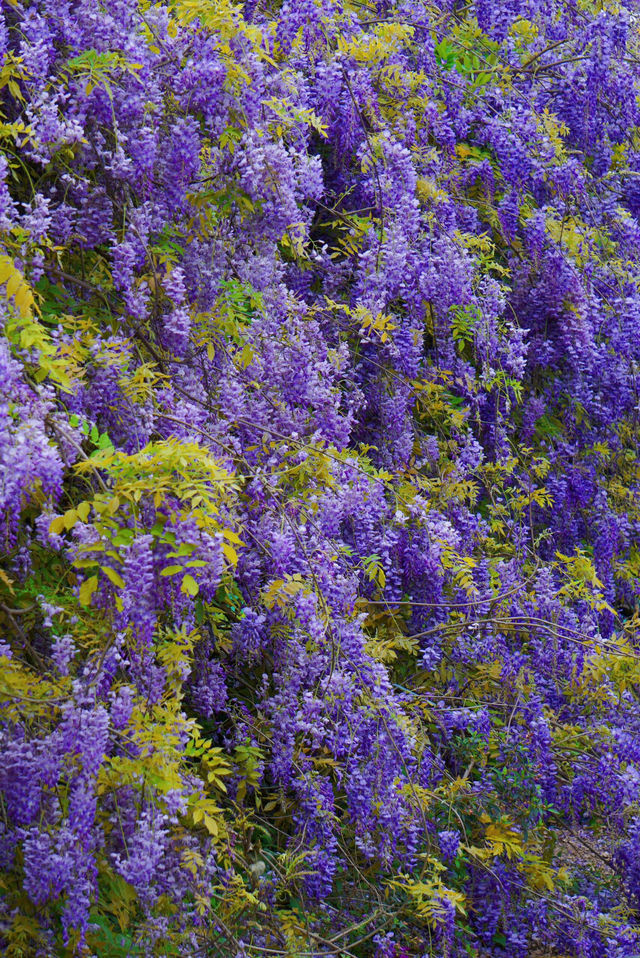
{"points": [[184, 549], [124, 537]]}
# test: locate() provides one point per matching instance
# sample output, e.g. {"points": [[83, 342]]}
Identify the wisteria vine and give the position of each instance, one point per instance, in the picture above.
{"points": [[320, 486]]}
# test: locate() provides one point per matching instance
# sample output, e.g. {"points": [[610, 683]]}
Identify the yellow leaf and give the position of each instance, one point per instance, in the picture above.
{"points": [[83, 510], [13, 284], [57, 525], [113, 576], [87, 589], [232, 536], [230, 553], [70, 518], [245, 356], [190, 586], [7, 581], [24, 301], [211, 825]]}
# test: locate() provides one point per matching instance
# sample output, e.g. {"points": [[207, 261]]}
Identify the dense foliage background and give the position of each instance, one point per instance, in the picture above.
{"points": [[320, 487]]}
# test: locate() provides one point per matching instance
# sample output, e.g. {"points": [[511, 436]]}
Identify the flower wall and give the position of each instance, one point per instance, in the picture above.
{"points": [[319, 478]]}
